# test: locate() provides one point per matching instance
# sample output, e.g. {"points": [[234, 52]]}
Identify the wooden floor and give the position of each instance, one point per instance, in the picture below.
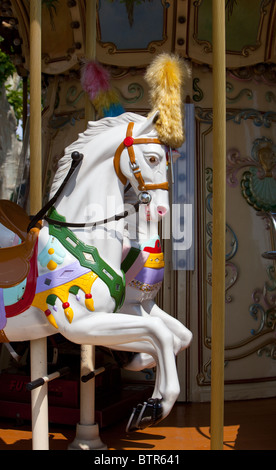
{"points": [[249, 425]]}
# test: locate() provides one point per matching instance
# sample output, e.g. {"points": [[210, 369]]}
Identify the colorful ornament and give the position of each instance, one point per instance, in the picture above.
{"points": [[52, 255], [95, 80], [166, 77], [48, 297]]}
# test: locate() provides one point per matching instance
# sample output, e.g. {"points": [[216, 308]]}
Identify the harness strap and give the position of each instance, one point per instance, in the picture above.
{"points": [[88, 257], [128, 143], [116, 217], [76, 160], [130, 259]]}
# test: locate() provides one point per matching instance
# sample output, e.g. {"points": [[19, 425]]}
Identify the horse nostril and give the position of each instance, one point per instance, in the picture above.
{"points": [[161, 210]]}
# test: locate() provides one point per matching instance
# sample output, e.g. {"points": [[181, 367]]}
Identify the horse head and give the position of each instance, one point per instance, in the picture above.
{"points": [[139, 157], [141, 160]]}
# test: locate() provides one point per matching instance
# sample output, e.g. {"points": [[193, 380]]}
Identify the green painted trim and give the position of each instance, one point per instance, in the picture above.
{"points": [[88, 257], [51, 299], [130, 259]]}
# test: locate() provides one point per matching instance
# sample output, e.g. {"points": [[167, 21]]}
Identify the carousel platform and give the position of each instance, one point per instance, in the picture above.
{"points": [[63, 399], [249, 425]]}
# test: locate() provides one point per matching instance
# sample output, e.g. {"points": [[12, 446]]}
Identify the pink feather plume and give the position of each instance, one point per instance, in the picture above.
{"points": [[94, 79]]}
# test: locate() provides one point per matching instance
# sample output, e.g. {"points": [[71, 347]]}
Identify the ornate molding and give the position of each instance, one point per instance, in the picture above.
{"points": [[245, 92], [258, 342], [252, 45], [116, 49], [260, 73], [258, 183], [231, 270]]}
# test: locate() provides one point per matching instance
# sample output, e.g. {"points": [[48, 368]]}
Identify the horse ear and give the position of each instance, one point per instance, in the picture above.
{"points": [[148, 125]]}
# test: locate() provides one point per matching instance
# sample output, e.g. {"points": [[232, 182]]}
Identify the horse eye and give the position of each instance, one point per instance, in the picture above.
{"points": [[153, 159]]}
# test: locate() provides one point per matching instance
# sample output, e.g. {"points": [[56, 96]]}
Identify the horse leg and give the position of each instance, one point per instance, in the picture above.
{"points": [[182, 336], [113, 330], [140, 360], [144, 357], [149, 412], [182, 339]]}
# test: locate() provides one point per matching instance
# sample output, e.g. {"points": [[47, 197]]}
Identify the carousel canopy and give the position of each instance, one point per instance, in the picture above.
{"points": [[132, 32]]}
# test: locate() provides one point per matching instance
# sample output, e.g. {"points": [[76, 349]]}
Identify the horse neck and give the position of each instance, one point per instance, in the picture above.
{"points": [[94, 195], [138, 229], [146, 230]]}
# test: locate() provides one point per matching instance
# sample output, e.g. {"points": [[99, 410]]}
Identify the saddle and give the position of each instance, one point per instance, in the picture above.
{"points": [[15, 260]]}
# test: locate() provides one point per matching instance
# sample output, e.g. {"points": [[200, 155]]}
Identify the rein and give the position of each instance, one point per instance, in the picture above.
{"points": [[91, 224], [77, 157], [76, 160]]}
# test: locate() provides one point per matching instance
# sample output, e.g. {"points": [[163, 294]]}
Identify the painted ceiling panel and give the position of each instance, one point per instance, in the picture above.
{"points": [[135, 32], [242, 24], [250, 27], [132, 32]]}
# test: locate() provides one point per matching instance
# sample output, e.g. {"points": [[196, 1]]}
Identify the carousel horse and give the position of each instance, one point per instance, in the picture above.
{"points": [[63, 272]]}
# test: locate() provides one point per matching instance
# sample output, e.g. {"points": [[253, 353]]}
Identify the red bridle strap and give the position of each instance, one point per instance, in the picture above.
{"points": [[128, 143]]}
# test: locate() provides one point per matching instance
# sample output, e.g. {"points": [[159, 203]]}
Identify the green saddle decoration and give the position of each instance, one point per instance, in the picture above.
{"points": [[88, 257], [130, 259]]}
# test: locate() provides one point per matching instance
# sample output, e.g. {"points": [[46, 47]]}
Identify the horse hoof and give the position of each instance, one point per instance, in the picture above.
{"points": [[145, 415], [132, 422], [151, 413]]}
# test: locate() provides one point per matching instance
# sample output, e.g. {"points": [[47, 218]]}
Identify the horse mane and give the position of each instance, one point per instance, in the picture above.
{"points": [[93, 130]]}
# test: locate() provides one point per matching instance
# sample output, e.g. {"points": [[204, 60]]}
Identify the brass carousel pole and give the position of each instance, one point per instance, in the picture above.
{"points": [[87, 435], [40, 432], [219, 219], [87, 390]]}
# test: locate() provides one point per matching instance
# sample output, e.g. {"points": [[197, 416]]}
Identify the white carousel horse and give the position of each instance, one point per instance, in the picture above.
{"points": [[70, 272]]}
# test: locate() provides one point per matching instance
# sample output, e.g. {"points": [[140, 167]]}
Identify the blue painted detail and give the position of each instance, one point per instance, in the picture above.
{"points": [[58, 255], [11, 295], [150, 243]]}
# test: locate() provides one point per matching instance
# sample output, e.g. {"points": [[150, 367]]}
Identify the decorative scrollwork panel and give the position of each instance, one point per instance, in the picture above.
{"points": [[250, 287]]}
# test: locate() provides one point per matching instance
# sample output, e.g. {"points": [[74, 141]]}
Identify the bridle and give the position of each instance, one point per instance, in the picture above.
{"points": [[143, 197], [128, 143]]}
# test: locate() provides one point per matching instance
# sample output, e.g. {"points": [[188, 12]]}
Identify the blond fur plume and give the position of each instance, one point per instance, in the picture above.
{"points": [[166, 77]]}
